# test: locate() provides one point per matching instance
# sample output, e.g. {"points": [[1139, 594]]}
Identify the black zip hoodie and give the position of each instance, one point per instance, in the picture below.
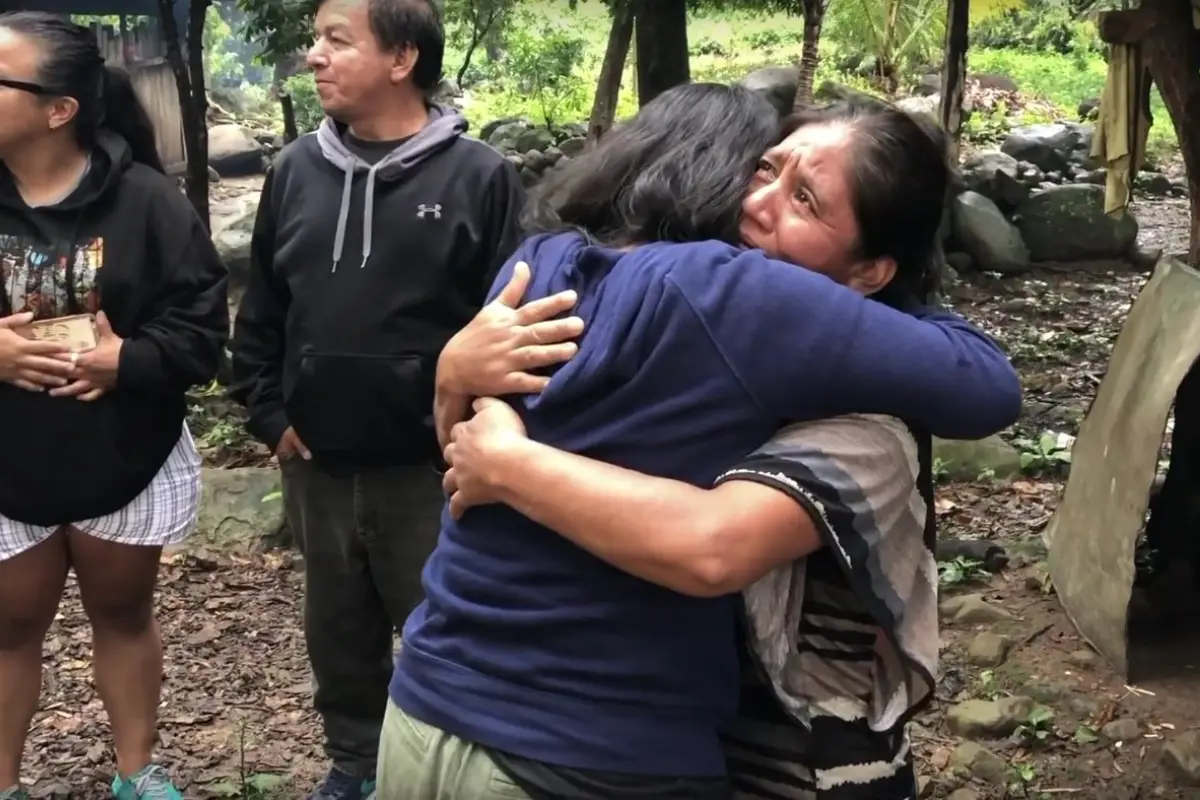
{"points": [[360, 274], [127, 242]]}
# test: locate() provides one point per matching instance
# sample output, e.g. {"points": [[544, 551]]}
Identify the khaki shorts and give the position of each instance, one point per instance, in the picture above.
{"points": [[421, 762]]}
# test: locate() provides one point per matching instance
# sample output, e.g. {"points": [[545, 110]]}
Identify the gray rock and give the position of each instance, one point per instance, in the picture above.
{"points": [[573, 146], [505, 137], [1083, 659], [993, 81], [239, 508], [489, 129], [777, 85], [1154, 184], [971, 609], [979, 719], [1068, 223], [998, 177], [979, 762], [529, 177], [957, 263], [920, 105], [966, 460], [233, 151], [1181, 756], [988, 649], [1122, 730], [1051, 147], [534, 139], [994, 243], [232, 228]]}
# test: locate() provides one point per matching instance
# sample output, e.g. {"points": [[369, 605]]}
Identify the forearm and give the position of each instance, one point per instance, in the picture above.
{"points": [[660, 530]]}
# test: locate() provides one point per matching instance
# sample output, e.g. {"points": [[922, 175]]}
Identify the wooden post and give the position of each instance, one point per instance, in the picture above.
{"points": [[954, 73], [1171, 46]]}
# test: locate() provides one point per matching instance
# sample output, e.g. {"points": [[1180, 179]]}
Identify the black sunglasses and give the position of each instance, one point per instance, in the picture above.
{"points": [[24, 86]]}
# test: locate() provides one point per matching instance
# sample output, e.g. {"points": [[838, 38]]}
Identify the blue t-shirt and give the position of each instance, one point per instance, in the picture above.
{"points": [[693, 355]]}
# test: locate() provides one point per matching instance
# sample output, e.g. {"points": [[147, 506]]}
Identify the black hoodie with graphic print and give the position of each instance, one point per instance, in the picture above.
{"points": [[127, 242], [366, 258]]}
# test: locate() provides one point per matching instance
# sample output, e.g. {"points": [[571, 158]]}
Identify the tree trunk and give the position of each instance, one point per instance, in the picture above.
{"points": [[954, 74], [287, 109], [193, 99], [608, 85], [662, 46], [810, 55]]}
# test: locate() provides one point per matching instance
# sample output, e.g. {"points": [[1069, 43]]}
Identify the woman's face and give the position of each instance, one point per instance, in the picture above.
{"points": [[24, 114], [800, 208]]}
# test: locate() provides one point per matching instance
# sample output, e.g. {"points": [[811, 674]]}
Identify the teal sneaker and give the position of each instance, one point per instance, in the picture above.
{"points": [[14, 793], [152, 783]]}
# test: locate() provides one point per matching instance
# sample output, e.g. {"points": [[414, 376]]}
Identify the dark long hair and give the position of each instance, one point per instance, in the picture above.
{"points": [[71, 66], [899, 176], [677, 172]]}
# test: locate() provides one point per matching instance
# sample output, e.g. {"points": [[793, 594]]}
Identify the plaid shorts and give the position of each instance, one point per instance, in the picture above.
{"points": [[163, 514]]}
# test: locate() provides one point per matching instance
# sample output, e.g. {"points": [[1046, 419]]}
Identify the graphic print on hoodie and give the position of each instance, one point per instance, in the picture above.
{"points": [[125, 241], [52, 280], [364, 264]]}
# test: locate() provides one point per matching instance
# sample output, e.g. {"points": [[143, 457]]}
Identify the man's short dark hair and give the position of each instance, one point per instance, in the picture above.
{"points": [[400, 23]]}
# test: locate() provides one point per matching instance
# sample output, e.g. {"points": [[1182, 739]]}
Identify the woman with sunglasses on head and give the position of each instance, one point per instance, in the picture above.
{"points": [[98, 472]]}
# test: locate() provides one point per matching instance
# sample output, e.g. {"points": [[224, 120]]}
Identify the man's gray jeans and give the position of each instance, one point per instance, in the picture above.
{"points": [[365, 538]]}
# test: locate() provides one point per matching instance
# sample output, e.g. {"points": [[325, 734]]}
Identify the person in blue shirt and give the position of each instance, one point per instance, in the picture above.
{"points": [[532, 658], [827, 530]]}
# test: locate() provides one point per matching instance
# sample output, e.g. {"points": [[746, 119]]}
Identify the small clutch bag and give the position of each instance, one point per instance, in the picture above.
{"points": [[77, 332]]}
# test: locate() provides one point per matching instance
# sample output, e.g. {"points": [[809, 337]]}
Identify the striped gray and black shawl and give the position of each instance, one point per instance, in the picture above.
{"points": [[842, 646]]}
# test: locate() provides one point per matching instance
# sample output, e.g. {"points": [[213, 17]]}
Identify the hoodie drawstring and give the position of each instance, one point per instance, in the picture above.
{"points": [[368, 213], [339, 238]]}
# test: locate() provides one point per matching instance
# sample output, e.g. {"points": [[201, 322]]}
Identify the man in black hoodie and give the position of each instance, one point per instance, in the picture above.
{"points": [[377, 238]]}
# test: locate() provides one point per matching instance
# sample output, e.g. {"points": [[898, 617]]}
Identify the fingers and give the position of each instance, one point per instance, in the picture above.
{"points": [[16, 320], [27, 386], [514, 290], [548, 308], [41, 379], [545, 355], [457, 506], [553, 331], [34, 347], [301, 448], [103, 328], [450, 482], [51, 367], [73, 389], [482, 404], [94, 394]]}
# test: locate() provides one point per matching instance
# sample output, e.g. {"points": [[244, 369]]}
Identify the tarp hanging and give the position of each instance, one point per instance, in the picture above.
{"points": [[1124, 124]]}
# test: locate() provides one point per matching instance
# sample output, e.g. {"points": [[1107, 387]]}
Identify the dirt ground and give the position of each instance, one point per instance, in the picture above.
{"points": [[236, 712]]}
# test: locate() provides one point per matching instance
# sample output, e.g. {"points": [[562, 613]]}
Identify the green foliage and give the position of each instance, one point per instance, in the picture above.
{"points": [[1038, 26], [1038, 727], [543, 63], [961, 570], [1051, 452], [280, 28], [305, 102]]}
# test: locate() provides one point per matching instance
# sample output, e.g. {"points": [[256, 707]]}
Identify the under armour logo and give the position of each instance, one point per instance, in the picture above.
{"points": [[435, 209]]}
